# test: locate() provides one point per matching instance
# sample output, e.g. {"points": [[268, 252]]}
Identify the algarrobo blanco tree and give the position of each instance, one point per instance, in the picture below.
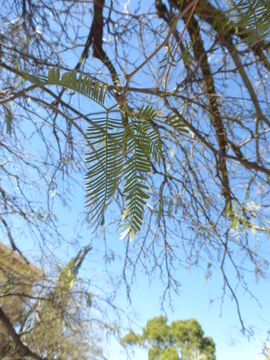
{"points": [[199, 68]]}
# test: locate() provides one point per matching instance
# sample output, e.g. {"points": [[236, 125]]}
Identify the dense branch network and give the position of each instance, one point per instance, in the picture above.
{"points": [[212, 183]]}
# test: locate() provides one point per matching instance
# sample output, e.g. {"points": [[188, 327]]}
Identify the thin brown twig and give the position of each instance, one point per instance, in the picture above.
{"points": [[164, 43], [18, 94], [178, 44], [11, 239]]}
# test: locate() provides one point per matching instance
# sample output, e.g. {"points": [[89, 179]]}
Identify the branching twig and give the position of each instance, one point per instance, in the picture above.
{"points": [[178, 44], [164, 43]]}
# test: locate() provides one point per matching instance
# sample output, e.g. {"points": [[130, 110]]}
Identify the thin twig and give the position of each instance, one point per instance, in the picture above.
{"points": [[178, 44], [11, 239], [164, 43]]}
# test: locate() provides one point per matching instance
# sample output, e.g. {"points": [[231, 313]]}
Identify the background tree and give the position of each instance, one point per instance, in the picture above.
{"points": [[44, 321], [16, 277], [266, 353], [183, 339], [209, 193], [266, 349]]}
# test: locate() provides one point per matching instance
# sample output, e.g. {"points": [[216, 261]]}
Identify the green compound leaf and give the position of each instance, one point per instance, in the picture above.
{"points": [[142, 142], [253, 19], [105, 162], [83, 84], [8, 117], [176, 122]]}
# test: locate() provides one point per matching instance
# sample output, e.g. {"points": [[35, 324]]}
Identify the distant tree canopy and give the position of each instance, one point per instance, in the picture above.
{"points": [[183, 339]]}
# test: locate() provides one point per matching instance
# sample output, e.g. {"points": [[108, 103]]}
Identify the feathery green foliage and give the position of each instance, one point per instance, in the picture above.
{"points": [[253, 19], [8, 117], [115, 149], [142, 142], [105, 163], [83, 84], [177, 124]]}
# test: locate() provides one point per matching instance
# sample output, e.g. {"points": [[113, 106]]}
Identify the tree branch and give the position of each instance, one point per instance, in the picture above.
{"points": [[216, 119], [22, 349]]}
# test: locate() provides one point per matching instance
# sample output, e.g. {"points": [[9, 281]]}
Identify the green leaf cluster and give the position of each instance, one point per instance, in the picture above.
{"points": [[253, 19]]}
